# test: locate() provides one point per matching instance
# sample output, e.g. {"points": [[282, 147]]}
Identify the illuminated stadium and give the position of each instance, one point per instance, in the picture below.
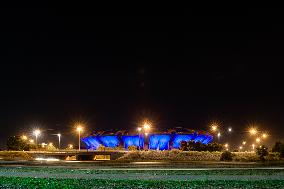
{"points": [[167, 140]]}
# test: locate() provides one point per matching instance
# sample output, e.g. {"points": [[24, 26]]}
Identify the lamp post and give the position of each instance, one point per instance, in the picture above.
{"points": [[59, 138], [139, 129], [146, 127], [219, 135], [253, 145], [230, 129], [36, 133], [79, 129]]}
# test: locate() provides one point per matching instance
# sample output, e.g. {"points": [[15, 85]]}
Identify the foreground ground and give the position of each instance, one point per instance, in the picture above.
{"points": [[145, 175]]}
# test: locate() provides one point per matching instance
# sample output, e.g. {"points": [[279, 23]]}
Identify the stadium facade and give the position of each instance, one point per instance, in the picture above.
{"points": [[168, 140]]}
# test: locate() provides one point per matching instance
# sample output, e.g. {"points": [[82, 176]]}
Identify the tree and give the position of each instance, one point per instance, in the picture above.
{"points": [[212, 147], [226, 156], [132, 148], [50, 147], [277, 147], [262, 151], [16, 143], [281, 151], [183, 146]]}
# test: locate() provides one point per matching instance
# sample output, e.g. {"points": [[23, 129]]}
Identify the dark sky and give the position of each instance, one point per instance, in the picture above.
{"points": [[110, 69]]}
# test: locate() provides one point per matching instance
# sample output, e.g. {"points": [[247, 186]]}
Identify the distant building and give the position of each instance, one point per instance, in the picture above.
{"points": [[167, 140]]}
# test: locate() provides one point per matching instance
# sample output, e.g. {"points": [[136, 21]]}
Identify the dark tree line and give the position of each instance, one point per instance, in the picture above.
{"points": [[18, 144], [198, 146]]}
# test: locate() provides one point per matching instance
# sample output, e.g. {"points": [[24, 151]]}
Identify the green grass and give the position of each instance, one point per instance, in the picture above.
{"points": [[16, 182], [247, 171]]}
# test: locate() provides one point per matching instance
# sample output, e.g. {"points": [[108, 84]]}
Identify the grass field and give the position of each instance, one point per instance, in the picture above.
{"points": [[51, 177]]}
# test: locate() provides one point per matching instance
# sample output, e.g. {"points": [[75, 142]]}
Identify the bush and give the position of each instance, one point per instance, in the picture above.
{"points": [[245, 156], [101, 148], [214, 147], [176, 155], [277, 147], [198, 146], [226, 156], [282, 150], [132, 148], [262, 151], [51, 147], [183, 146]]}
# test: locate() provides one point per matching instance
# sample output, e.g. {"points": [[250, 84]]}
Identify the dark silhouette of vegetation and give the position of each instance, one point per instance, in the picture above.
{"points": [[226, 156], [262, 151], [17, 144], [279, 147], [198, 146], [276, 147], [183, 146]]}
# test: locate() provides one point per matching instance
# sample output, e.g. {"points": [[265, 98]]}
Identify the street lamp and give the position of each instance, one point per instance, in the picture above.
{"points": [[219, 135], [59, 138], [226, 146], [36, 133], [253, 146], [244, 142], [79, 129], [230, 129], [214, 127], [253, 131], [257, 140], [70, 146], [146, 126], [24, 137], [139, 129], [264, 135]]}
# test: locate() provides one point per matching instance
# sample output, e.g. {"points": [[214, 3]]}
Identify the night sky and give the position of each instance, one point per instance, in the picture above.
{"points": [[111, 70]]}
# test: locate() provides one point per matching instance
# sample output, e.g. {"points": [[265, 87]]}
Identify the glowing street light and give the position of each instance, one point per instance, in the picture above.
{"points": [[79, 129], [257, 140], [253, 131], [70, 146], [36, 133], [244, 142], [241, 147], [230, 129], [219, 135], [59, 138], [264, 135], [253, 145], [214, 127], [226, 145], [146, 126], [43, 145], [24, 137], [31, 141]]}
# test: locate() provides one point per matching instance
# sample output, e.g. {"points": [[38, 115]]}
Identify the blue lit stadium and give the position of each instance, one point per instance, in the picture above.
{"points": [[167, 140]]}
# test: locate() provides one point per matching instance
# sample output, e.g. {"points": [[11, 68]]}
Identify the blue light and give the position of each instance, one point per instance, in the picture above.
{"points": [[133, 141], [208, 139], [110, 141], [159, 142], [156, 141], [91, 142], [177, 139]]}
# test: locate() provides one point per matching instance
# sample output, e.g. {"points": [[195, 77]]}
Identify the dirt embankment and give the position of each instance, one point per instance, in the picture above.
{"points": [[13, 155]]}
